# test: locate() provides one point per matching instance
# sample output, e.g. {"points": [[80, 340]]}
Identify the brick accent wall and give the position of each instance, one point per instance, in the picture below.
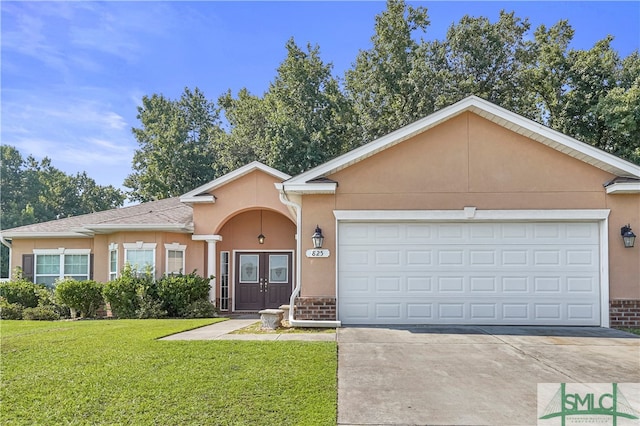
{"points": [[315, 308], [624, 313]]}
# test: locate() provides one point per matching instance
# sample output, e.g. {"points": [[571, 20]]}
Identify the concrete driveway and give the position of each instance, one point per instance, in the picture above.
{"points": [[470, 375]]}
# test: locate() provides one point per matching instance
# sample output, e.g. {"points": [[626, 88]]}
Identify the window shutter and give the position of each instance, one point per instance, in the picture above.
{"points": [[91, 266], [27, 266]]}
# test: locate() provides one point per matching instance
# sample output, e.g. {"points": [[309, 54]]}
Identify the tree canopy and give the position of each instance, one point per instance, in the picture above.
{"points": [[307, 115], [35, 191]]}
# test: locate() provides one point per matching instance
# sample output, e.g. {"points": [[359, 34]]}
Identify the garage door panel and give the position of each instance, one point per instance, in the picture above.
{"points": [[549, 312], [493, 273]]}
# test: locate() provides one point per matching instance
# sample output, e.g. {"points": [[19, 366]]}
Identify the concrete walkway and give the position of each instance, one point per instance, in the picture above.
{"points": [[221, 330]]}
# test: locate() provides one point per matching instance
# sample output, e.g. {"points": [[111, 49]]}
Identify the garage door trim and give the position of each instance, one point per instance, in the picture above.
{"points": [[470, 214]]}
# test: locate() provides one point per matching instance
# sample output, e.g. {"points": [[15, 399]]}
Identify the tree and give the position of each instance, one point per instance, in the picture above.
{"points": [[246, 140], [35, 191], [490, 60], [385, 85], [300, 122], [308, 114], [178, 140]]}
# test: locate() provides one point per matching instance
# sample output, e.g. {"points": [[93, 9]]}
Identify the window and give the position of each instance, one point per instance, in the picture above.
{"points": [[224, 280], [51, 265], [113, 261], [175, 258], [140, 256]]}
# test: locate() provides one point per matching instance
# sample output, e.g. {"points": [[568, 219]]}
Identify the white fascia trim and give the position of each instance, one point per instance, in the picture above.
{"points": [[313, 323], [209, 237], [113, 227], [624, 188], [237, 173], [462, 216], [61, 250], [310, 188], [64, 234], [202, 199]]}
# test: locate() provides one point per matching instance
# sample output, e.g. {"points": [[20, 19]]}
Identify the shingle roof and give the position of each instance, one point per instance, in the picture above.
{"points": [[167, 214]]}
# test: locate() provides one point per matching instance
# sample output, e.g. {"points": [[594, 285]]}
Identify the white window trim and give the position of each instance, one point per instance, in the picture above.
{"points": [[228, 277], [113, 247], [140, 245], [174, 247], [61, 252]]}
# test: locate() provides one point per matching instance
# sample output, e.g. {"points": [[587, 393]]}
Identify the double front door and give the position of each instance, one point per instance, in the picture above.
{"points": [[263, 280]]}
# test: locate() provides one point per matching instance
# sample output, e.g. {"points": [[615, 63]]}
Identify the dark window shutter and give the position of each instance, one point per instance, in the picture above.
{"points": [[28, 266], [91, 266]]}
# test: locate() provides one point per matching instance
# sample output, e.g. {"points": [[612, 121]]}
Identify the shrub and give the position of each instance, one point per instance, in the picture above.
{"points": [[84, 297], [41, 313], [148, 305], [126, 293], [23, 292], [178, 292], [200, 309], [10, 311]]}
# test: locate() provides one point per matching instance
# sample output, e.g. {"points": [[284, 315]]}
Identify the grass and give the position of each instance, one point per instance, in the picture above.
{"points": [[116, 372], [257, 329], [632, 330]]}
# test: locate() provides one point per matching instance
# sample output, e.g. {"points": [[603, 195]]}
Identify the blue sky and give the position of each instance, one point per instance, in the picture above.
{"points": [[73, 73]]}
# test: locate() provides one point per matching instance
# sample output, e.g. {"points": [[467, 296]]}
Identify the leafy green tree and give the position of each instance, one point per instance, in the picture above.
{"points": [[34, 191], [389, 84], [300, 122], [490, 60], [178, 141], [547, 75], [308, 114], [246, 140]]}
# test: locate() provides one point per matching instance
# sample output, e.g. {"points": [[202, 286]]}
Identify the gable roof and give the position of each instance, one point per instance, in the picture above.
{"points": [[202, 194], [162, 215], [307, 182]]}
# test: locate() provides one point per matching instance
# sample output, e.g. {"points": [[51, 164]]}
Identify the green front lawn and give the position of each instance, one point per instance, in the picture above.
{"points": [[116, 372]]}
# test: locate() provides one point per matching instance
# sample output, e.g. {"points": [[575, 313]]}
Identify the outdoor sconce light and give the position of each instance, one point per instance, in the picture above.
{"points": [[317, 238], [628, 237], [261, 237]]}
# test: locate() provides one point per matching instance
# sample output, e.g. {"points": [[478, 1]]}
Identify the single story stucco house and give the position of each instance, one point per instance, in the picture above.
{"points": [[472, 215]]}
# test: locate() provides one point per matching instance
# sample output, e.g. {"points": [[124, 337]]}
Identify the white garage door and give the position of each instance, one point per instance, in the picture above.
{"points": [[469, 273]]}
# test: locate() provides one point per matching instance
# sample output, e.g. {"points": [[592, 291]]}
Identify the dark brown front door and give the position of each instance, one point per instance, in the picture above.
{"points": [[263, 280]]}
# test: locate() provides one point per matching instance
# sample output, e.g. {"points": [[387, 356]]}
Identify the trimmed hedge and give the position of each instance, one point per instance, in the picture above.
{"points": [[139, 296], [179, 292], [84, 297], [10, 311], [41, 313], [24, 293]]}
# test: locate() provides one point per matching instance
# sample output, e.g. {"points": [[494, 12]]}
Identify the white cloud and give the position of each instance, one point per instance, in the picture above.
{"points": [[77, 131]]}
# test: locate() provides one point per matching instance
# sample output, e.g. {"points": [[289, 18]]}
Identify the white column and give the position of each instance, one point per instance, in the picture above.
{"points": [[211, 241]]}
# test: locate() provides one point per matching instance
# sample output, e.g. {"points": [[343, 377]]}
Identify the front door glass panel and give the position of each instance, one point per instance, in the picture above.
{"points": [[249, 268], [278, 268]]}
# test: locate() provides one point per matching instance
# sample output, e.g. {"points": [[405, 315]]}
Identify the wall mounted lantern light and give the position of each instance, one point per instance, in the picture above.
{"points": [[628, 237], [317, 238], [261, 237]]}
